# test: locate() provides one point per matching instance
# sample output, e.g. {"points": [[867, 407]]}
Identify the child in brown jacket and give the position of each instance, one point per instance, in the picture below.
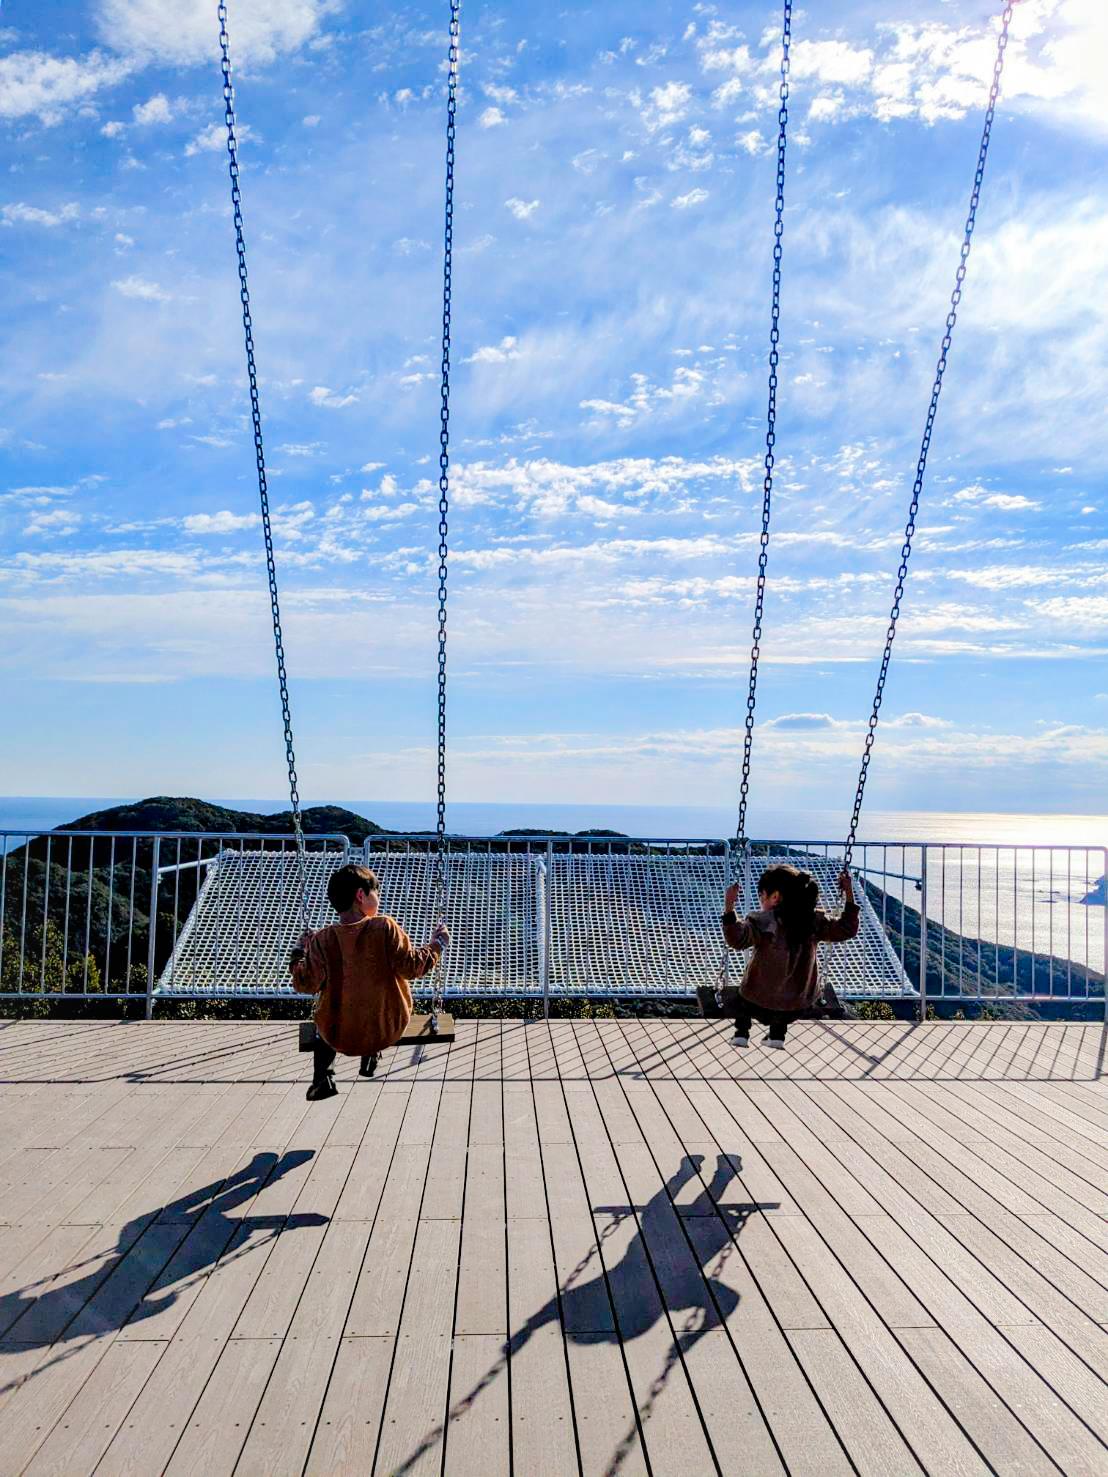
{"points": [[359, 969], [781, 981]]}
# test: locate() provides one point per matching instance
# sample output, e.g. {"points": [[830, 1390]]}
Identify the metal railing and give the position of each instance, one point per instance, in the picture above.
{"points": [[114, 916]]}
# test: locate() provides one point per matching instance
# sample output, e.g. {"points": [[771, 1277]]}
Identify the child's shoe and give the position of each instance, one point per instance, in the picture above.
{"points": [[368, 1065], [774, 1043], [323, 1087], [740, 1040]]}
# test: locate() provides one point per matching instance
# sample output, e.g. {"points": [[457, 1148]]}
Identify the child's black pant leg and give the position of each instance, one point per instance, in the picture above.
{"points": [[743, 1018], [778, 1022], [323, 1058]]}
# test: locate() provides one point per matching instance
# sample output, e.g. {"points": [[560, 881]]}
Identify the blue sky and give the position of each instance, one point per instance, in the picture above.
{"points": [[613, 244]]}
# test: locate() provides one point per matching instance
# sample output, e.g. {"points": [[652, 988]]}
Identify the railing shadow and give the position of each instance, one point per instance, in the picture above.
{"points": [[64, 1311], [624, 1301]]}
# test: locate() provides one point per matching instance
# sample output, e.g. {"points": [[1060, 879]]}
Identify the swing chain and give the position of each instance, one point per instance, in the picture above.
{"points": [[771, 417], [929, 425], [259, 453], [444, 475]]}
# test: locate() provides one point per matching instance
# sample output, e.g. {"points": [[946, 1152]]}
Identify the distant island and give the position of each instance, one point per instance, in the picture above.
{"points": [[185, 813]]}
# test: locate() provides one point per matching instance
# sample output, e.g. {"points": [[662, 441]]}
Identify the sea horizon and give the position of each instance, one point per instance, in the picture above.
{"points": [[34, 813]]}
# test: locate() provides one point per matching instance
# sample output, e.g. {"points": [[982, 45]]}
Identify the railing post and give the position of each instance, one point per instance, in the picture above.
{"points": [[923, 934], [152, 926], [547, 875]]}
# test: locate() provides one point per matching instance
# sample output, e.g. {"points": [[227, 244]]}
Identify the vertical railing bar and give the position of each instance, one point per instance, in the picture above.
{"points": [[45, 917], [111, 918], [961, 919], [131, 914], [1034, 944], [88, 914], [3, 895], [152, 931], [980, 930], [1050, 927], [1015, 923], [942, 915], [176, 912], [65, 921], [996, 926], [923, 936], [23, 923]]}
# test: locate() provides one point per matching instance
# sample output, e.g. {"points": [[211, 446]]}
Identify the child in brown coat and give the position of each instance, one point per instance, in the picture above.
{"points": [[781, 981], [359, 969]]}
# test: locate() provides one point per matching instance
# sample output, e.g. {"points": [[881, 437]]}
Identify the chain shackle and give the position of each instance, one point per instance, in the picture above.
{"points": [[771, 418], [259, 455], [441, 876], [928, 429]]}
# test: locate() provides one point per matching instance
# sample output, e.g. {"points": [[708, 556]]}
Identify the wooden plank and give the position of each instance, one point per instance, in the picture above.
{"points": [[281, 1433], [345, 1438], [379, 1292], [446, 1173], [525, 1186], [411, 1427], [477, 1436], [85, 1431], [865, 1427], [801, 1430], [995, 1429], [542, 1414], [365, 1184], [147, 1439], [212, 1440]]}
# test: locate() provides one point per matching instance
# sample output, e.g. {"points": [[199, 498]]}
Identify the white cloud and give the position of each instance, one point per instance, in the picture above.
{"points": [[114, 129], [300, 448], [410, 246], [523, 210], [499, 353], [58, 523], [165, 31], [491, 118], [313, 120], [667, 105], [694, 197], [139, 287], [1004, 502], [213, 139], [752, 142], [32, 215], [222, 522], [154, 110], [36, 84], [330, 399]]}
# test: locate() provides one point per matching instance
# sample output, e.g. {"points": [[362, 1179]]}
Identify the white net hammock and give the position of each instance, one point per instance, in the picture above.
{"points": [[640, 922]]}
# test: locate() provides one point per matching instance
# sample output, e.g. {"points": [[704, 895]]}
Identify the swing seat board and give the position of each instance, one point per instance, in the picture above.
{"points": [[419, 1029]]}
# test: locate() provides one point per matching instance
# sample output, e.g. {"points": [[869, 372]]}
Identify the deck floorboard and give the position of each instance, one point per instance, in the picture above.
{"points": [[597, 1246]]}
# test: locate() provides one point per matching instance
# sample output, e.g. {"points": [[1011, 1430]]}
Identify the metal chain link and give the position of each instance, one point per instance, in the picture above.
{"points": [[259, 453], [441, 880], [929, 425], [771, 417]]}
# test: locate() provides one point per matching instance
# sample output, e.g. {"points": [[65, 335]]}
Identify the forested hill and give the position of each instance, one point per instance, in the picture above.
{"points": [[183, 813]]}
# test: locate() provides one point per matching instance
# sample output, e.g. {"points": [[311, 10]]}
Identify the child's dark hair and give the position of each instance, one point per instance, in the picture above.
{"points": [[799, 896], [343, 884]]}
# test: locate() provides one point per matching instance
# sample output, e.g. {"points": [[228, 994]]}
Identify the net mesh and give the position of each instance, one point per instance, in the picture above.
{"points": [[649, 925], [236, 939], [638, 924]]}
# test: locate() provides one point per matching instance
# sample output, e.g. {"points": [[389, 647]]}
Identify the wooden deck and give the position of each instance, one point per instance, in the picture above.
{"points": [[591, 1247]]}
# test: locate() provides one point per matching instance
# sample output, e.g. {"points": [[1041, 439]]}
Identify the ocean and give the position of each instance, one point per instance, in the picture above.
{"points": [[45, 813]]}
